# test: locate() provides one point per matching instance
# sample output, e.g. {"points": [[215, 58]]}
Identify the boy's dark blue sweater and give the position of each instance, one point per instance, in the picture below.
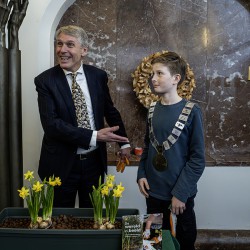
{"points": [[186, 158]]}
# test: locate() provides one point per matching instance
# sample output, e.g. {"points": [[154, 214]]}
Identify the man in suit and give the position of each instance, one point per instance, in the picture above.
{"points": [[72, 151]]}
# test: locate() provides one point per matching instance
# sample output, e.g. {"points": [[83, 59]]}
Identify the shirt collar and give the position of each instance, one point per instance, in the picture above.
{"points": [[79, 71]]}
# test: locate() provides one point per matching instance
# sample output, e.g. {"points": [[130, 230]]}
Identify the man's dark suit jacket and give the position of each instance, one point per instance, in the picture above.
{"points": [[62, 137]]}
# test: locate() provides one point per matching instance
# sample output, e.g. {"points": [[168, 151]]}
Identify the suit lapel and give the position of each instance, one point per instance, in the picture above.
{"points": [[63, 87]]}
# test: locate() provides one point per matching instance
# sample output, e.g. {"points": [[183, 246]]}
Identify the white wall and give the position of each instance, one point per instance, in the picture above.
{"points": [[223, 200], [36, 44]]}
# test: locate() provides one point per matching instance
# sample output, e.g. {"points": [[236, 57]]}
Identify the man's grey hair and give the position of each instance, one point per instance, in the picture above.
{"points": [[74, 31]]}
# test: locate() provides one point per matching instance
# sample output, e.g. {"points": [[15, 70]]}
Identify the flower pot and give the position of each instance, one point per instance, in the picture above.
{"points": [[63, 239]]}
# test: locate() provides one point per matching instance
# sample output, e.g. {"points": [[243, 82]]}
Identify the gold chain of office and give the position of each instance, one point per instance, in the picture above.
{"points": [[141, 86]]}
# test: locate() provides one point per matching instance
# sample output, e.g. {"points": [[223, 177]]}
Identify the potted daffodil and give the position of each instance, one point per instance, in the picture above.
{"points": [[39, 194], [112, 194], [32, 195], [70, 226], [109, 194], [47, 199]]}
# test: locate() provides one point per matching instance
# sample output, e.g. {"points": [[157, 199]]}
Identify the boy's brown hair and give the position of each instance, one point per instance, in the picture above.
{"points": [[174, 62]]}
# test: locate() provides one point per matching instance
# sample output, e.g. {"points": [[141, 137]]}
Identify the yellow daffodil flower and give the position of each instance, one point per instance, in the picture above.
{"points": [[23, 192], [110, 178], [37, 187], [110, 184], [117, 193], [105, 190], [29, 175], [52, 183], [58, 181], [120, 187]]}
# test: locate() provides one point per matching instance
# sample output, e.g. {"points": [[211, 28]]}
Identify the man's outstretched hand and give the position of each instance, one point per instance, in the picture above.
{"points": [[107, 135]]}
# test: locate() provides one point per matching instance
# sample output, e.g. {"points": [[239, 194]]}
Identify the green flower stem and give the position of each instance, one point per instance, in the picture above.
{"points": [[113, 209], [107, 202], [34, 203], [97, 202], [47, 201]]}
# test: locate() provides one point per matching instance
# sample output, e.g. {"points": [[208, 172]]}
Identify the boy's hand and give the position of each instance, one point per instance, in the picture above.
{"points": [[143, 186], [177, 206]]}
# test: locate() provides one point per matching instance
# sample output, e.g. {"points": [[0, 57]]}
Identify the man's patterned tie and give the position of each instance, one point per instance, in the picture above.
{"points": [[80, 104]]}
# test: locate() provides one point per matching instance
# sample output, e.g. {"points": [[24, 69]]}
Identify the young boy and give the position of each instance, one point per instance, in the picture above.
{"points": [[173, 158]]}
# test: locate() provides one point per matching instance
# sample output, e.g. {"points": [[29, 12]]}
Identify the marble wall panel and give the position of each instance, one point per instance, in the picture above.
{"points": [[212, 35], [228, 91]]}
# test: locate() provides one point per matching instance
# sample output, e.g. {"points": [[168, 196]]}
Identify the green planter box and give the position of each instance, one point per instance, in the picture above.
{"points": [[52, 239]]}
